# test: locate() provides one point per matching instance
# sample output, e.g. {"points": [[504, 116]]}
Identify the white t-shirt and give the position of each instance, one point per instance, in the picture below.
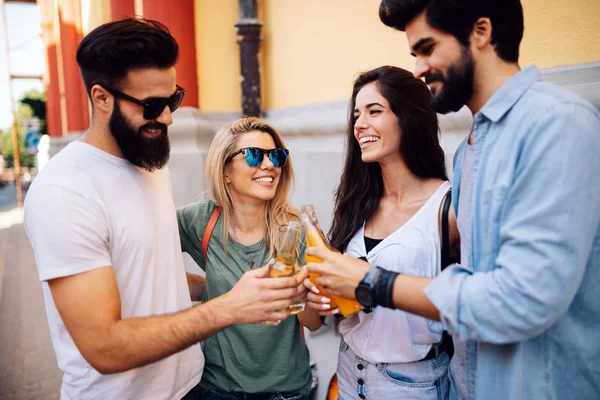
{"points": [[395, 336], [88, 209]]}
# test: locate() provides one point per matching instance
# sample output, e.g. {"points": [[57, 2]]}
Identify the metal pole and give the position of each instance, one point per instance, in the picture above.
{"points": [[248, 9], [16, 150], [248, 36]]}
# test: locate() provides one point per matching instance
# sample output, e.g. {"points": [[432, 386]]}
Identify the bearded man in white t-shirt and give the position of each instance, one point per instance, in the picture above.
{"points": [[102, 223]]}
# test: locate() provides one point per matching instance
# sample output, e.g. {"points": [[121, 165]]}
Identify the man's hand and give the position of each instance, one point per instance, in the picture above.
{"points": [[340, 274], [256, 298]]}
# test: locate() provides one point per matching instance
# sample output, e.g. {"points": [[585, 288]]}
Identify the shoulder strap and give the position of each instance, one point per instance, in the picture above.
{"points": [[445, 230], [209, 229], [447, 345]]}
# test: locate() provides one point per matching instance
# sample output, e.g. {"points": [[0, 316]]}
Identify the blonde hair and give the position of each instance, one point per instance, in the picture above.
{"points": [[278, 209]]}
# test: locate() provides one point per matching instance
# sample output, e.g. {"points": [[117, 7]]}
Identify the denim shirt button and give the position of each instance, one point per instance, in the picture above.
{"points": [[360, 367], [360, 381]]}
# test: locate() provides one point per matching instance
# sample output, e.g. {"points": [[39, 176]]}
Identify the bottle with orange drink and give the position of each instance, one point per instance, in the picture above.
{"points": [[316, 238]]}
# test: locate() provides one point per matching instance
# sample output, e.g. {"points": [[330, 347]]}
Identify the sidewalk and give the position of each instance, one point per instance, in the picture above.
{"points": [[28, 368]]}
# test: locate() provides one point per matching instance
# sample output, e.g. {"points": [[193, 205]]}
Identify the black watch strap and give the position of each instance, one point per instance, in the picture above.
{"points": [[384, 289]]}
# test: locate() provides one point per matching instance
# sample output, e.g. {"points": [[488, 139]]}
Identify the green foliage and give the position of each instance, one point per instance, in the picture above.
{"points": [[33, 104], [7, 150]]}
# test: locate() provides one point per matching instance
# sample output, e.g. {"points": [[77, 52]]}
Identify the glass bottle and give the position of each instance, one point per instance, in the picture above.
{"points": [[316, 238], [285, 263]]}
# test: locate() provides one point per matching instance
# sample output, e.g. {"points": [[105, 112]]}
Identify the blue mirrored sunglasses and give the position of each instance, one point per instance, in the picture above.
{"points": [[255, 156]]}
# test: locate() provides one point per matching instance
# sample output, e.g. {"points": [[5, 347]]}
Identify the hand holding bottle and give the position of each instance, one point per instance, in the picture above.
{"points": [[339, 274], [317, 302]]}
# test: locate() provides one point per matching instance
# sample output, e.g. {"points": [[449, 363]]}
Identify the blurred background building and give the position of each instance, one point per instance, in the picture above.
{"points": [[309, 52]]}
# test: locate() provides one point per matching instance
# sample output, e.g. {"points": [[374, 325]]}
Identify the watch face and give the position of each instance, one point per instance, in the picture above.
{"points": [[364, 297]]}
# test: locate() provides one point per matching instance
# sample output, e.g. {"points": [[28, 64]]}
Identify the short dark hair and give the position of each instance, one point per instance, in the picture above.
{"points": [[361, 185], [458, 17], [107, 53]]}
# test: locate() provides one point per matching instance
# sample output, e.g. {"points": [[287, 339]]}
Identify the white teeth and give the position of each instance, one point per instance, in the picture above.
{"points": [[368, 139], [264, 180]]}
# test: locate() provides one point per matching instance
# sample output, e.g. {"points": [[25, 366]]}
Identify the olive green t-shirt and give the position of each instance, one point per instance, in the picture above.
{"points": [[250, 358]]}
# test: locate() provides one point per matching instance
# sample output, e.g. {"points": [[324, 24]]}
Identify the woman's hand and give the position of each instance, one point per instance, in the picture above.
{"points": [[340, 273], [300, 278], [315, 301], [310, 318]]}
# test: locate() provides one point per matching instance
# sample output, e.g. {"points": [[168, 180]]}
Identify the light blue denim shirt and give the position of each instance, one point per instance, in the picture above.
{"points": [[529, 308]]}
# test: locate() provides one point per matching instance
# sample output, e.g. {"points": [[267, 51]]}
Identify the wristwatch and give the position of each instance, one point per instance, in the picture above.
{"points": [[365, 291]]}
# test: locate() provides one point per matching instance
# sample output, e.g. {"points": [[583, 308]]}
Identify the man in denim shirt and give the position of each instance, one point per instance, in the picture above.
{"points": [[523, 305]]}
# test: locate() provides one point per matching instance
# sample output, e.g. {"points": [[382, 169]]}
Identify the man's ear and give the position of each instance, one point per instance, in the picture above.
{"points": [[101, 99], [482, 33]]}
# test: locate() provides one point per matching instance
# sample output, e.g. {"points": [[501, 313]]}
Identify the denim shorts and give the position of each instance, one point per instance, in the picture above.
{"points": [[422, 380]]}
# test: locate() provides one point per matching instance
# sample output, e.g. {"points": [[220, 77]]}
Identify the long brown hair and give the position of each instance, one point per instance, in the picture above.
{"points": [[361, 186], [278, 209]]}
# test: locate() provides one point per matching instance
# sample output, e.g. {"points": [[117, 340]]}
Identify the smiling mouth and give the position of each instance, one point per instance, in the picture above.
{"points": [[367, 141], [266, 179]]}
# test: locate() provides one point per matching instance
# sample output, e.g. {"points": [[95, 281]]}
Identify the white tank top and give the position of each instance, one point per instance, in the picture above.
{"points": [[394, 336]]}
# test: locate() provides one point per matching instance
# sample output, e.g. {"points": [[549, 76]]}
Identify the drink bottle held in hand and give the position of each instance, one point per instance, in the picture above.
{"points": [[285, 263], [316, 238]]}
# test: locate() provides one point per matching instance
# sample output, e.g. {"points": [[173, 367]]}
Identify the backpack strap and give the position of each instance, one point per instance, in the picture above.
{"points": [[210, 227], [446, 230], [446, 345]]}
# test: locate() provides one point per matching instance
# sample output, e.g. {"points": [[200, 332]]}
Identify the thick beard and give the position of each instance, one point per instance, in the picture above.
{"points": [[457, 86], [149, 154]]}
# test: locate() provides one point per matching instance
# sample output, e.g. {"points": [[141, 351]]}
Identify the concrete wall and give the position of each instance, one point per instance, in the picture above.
{"points": [[560, 33], [218, 55]]}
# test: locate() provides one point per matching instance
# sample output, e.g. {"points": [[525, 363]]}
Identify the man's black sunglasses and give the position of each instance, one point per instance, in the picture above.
{"points": [[153, 106], [255, 156]]}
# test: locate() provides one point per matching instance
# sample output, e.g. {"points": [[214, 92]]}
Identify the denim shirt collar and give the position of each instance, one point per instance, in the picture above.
{"points": [[509, 93]]}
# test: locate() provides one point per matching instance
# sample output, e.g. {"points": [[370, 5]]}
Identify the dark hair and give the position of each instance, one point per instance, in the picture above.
{"points": [[458, 17], [107, 53], [361, 185]]}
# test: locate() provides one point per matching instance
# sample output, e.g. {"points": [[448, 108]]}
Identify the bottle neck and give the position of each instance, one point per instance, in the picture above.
{"points": [[288, 238], [314, 234]]}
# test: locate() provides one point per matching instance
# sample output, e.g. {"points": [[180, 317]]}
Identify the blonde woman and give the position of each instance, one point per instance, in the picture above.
{"points": [[249, 175]]}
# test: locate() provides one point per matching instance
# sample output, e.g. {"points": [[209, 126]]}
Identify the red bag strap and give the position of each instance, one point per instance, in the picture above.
{"points": [[209, 230]]}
